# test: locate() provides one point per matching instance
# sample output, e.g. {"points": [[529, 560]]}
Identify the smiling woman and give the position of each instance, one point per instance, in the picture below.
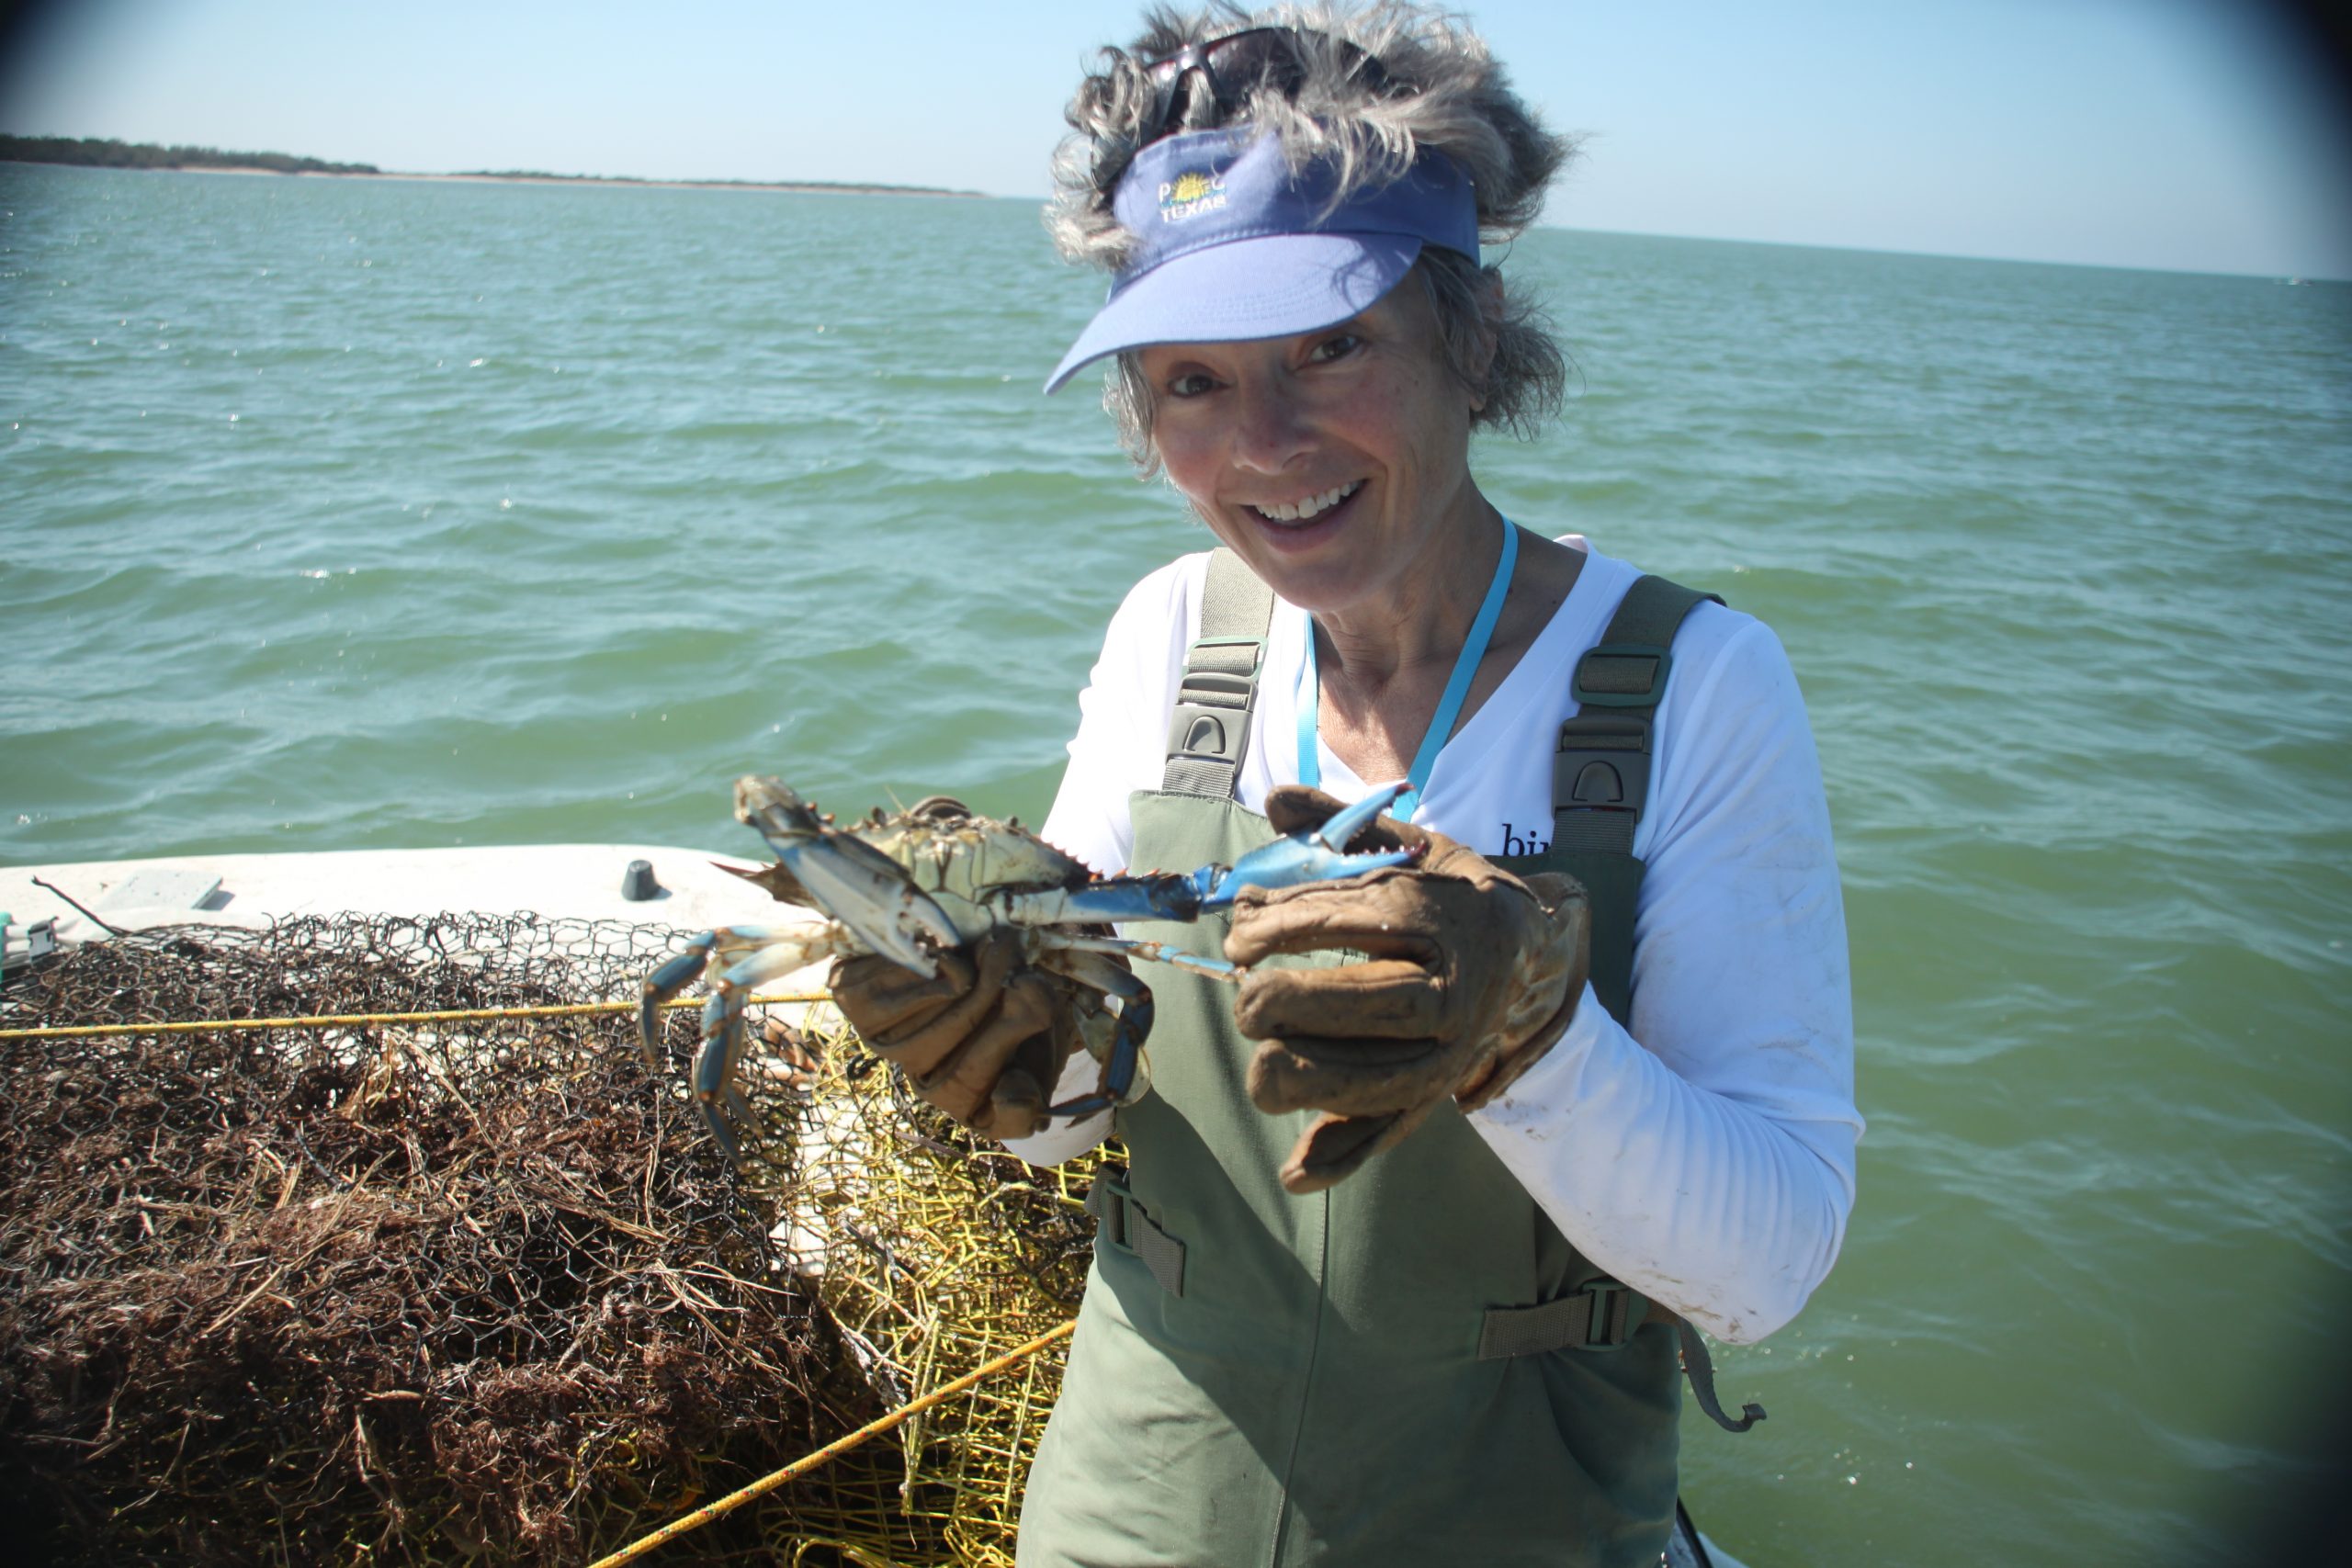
{"points": [[1334, 463], [1481, 1137]]}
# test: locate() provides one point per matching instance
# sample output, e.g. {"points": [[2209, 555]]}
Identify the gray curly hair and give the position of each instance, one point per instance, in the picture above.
{"points": [[1442, 90]]}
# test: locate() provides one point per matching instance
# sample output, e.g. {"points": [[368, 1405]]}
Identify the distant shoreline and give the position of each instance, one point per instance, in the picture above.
{"points": [[95, 152], [793, 187]]}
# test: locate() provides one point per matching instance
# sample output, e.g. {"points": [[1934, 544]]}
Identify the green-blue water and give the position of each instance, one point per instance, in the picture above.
{"points": [[343, 513]]}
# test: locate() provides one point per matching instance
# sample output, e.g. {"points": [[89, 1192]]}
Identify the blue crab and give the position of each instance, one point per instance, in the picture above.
{"points": [[935, 876]]}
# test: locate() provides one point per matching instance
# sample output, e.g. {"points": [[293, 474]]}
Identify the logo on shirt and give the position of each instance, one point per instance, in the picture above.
{"points": [[1513, 844], [1191, 194]]}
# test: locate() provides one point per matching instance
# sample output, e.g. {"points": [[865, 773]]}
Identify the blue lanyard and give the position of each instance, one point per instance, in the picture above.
{"points": [[1449, 707]]}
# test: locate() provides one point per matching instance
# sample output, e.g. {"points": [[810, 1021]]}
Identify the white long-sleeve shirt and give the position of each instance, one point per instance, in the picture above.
{"points": [[1705, 1156]]}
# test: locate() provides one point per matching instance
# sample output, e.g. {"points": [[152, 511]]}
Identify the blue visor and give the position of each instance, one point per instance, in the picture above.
{"points": [[1232, 244]]}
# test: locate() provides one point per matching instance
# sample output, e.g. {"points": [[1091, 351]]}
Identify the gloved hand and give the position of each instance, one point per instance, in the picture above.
{"points": [[1473, 975], [983, 1040]]}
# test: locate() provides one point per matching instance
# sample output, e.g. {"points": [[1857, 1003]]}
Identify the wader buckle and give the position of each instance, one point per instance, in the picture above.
{"points": [[1604, 764], [1211, 723], [1601, 1315], [1622, 675], [1127, 1225], [1612, 1304]]}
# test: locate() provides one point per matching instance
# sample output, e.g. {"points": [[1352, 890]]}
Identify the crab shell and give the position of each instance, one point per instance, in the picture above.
{"points": [[962, 861]]}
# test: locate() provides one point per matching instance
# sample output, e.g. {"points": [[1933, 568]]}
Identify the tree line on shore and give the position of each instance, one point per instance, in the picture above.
{"points": [[92, 152], [850, 185]]}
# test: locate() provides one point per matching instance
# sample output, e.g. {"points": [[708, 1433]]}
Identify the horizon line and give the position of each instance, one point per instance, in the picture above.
{"points": [[881, 187]]}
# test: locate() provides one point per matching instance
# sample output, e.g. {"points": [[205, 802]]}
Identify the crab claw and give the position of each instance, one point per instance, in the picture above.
{"points": [[847, 878], [1316, 854], [1343, 826]]}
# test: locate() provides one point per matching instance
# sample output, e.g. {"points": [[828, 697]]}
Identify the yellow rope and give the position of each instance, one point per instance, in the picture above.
{"points": [[331, 1021], [800, 1467]]}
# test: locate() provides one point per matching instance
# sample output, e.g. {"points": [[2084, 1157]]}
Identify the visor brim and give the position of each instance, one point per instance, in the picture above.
{"points": [[1266, 286]]}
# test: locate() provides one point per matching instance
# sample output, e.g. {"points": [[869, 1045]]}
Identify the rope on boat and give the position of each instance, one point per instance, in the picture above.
{"points": [[341, 1019], [802, 1466]]}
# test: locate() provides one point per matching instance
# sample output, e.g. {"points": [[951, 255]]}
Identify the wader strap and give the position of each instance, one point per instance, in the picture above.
{"points": [[1701, 1370], [1125, 1224], [1602, 1316], [1601, 773], [1209, 733], [1600, 783]]}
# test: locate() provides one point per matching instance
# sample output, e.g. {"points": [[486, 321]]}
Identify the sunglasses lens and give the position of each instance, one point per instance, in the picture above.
{"points": [[1233, 64], [1246, 57], [1238, 62]]}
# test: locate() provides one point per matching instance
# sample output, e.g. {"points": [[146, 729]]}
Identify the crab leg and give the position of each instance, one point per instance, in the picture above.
{"points": [[1157, 953], [752, 955], [725, 1033], [1311, 855], [726, 944], [1075, 957]]}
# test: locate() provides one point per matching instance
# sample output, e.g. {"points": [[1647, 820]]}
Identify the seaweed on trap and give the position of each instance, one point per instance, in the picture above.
{"points": [[417, 1292]]}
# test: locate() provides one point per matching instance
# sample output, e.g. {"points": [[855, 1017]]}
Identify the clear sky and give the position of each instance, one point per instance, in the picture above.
{"points": [[2161, 133]]}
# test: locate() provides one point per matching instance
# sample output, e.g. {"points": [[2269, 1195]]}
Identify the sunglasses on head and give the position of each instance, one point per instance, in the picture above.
{"points": [[1233, 64]]}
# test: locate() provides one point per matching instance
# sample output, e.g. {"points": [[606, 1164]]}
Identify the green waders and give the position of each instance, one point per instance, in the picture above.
{"points": [[1413, 1368]]}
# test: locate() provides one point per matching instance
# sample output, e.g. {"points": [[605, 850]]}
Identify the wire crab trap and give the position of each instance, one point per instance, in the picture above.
{"points": [[395, 1290]]}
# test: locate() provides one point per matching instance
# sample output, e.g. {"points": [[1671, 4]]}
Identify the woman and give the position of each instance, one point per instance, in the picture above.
{"points": [[1397, 1273]]}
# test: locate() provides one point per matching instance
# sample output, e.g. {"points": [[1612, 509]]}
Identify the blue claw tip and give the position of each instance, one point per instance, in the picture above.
{"points": [[721, 1134], [1315, 856], [1334, 834]]}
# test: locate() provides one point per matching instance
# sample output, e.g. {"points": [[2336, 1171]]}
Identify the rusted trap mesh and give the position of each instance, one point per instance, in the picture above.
{"points": [[935, 1252], [425, 1292]]}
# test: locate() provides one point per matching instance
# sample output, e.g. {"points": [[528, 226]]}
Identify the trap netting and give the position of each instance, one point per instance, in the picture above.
{"points": [[425, 1291]]}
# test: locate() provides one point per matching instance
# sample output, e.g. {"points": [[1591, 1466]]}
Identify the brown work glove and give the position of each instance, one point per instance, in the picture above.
{"points": [[983, 1040], [1472, 975]]}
